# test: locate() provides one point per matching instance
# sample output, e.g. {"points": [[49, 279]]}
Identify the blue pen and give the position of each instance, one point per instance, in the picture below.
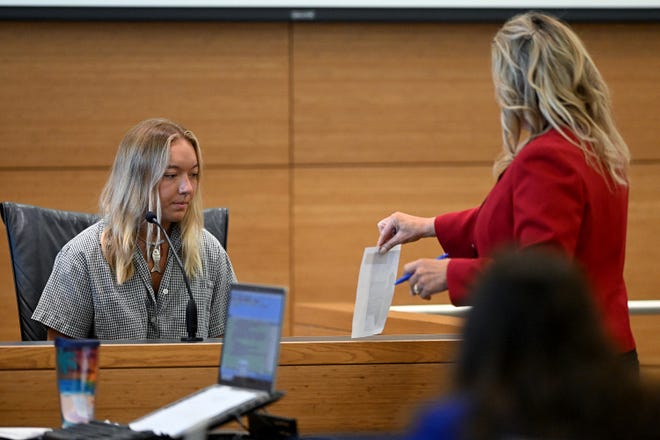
{"points": [[407, 276]]}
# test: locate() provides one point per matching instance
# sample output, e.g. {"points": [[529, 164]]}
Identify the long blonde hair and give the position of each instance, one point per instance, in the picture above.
{"points": [[544, 78], [132, 190]]}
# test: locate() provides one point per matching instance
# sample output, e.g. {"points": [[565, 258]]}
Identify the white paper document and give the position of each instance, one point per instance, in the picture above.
{"points": [[374, 291]]}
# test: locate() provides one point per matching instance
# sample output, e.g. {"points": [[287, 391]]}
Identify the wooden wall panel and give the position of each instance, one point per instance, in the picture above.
{"points": [[338, 321], [392, 93], [410, 93], [336, 211], [626, 55], [67, 189], [75, 88], [258, 240], [388, 378], [312, 132], [372, 94], [390, 394], [643, 241], [646, 329]]}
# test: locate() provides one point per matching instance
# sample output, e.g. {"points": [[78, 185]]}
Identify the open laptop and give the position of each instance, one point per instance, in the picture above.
{"points": [[248, 365]]}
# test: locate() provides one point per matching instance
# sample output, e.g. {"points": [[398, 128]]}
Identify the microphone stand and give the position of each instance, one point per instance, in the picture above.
{"points": [[191, 308]]}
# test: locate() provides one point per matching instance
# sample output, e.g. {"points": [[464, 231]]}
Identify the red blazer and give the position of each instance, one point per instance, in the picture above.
{"points": [[547, 195]]}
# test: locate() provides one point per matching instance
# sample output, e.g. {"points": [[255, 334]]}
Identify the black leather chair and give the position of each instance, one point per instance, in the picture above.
{"points": [[216, 221], [37, 234]]}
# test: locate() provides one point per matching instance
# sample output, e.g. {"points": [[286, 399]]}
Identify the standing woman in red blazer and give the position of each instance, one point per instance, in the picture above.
{"points": [[561, 178]]}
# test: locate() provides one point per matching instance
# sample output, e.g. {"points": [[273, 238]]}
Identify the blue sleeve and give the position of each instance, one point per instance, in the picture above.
{"points": [[441, 420]]}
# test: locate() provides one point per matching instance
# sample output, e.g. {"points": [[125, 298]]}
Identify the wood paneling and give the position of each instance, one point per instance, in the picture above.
{"points": [[312, 132], [626, 55], [258, 237], [75, 189], [643, 245], [388, 376], [75, 88], [318, 376], [646, 329], [393, 93], [338, 321], [336, 211], [318, 402]]}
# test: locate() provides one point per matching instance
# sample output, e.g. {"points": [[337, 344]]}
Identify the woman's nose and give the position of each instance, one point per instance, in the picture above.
{"points": [[185, 186]]}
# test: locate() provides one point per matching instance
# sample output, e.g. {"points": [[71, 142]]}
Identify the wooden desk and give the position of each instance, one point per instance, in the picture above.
{"points": [[338, 320], [332, 384]]}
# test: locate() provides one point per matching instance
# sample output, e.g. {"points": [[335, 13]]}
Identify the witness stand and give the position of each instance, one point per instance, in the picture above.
{"points": [[332, 384]]}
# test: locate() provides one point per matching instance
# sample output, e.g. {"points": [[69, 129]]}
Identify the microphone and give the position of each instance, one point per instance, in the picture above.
{"points": [[191, 308]]}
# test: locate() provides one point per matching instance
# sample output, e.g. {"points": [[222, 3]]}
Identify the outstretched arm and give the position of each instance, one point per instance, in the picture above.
{"points": [[400, 228]]}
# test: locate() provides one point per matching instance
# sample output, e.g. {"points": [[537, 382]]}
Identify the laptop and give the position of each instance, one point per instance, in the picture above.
{"points": [[248, 365]]}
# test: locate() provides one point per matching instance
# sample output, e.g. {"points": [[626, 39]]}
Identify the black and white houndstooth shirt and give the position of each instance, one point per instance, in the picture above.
{"points": [[83, 300]]}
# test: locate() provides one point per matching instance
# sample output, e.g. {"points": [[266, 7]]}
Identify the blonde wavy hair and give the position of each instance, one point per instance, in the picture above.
{"points": [[132, 190], [544, 78]]}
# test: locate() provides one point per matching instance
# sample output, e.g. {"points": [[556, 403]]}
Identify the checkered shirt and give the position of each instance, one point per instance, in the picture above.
{"points": [[83, 300]]}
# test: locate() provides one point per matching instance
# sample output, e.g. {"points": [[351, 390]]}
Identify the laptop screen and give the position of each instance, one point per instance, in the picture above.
{"points": [[251, 343]]}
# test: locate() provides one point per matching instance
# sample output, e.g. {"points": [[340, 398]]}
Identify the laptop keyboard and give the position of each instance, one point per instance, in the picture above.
{"points": [[97, 430]]}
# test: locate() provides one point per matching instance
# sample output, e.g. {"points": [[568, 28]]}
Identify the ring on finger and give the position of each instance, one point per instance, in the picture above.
{"points": [[416, 289]]}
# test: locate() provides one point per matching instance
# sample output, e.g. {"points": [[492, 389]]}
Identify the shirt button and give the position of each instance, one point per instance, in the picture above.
{"points": [[166, 291], [153, 320]]}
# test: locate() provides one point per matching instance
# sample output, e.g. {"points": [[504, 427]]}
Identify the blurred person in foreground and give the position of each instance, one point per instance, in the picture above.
{"points": [[561, 178], [535, 363]]}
